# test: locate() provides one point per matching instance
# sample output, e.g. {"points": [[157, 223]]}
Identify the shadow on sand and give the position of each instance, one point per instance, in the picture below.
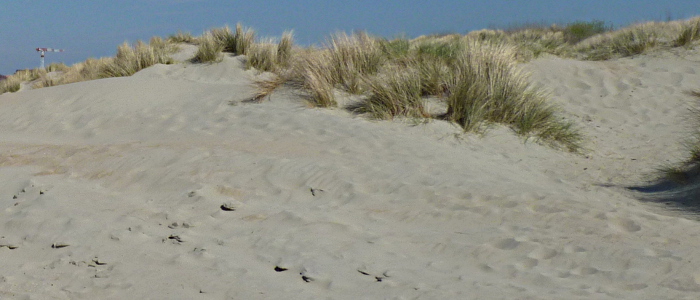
{"points": [[672, 194]]}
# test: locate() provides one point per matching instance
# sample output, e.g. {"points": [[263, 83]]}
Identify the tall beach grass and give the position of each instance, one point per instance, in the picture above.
{"points": [[689, 169], [478, 80], [131, 59], [476, 76]]}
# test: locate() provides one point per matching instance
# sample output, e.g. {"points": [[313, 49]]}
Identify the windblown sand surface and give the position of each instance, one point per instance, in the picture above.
{"points": [[155, 187]]}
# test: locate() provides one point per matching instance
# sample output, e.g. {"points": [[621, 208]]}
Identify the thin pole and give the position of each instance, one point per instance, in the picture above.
{"points": [[43, 52]]}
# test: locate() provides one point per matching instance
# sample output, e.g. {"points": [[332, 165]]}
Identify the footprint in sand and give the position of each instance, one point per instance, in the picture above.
{"points": [[624, 225], [543, 253], [573, 249], [634, 286], [584, 271], [545, 209], [506, 244]]}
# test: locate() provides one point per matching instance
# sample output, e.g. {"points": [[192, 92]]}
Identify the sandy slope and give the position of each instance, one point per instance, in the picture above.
{"points": [[113, 189]]}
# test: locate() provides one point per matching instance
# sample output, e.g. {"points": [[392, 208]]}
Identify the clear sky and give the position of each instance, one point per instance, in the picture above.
{"points": [[94, 28]]}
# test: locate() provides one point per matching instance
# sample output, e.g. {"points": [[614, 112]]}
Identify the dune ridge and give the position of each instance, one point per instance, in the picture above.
{"points": [[168, 184]]}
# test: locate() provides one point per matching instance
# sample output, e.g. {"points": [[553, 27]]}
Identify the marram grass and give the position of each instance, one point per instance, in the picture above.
{"points": [[10, 84], [690, 32], [263, 56], [476, 76], [130, 60], [316, 78], [395, 91], [183, 37], [209, 49], [285, 48], [689, 169], [478, 79]]}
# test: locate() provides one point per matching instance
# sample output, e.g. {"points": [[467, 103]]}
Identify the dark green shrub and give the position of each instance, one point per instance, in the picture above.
{"points": [[581, 30]]}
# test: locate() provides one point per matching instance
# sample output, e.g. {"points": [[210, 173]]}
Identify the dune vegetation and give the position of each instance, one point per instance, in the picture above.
{"points": [[688, 170], [129, 60], [475, 77]]}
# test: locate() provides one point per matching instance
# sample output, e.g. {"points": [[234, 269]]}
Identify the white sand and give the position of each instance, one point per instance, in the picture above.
{"points": [[125, 178]]}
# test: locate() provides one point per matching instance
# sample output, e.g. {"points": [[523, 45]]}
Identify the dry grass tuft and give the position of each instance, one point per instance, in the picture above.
{"points": [[690, 32], [237, 42], [224, 37], [395, 91], [622, 43], [209, 49], [263, 56], [312, 74], [284, 49], [689, 169], [13, 83], [638, 39], [395, 49], [265, 88], [489, 88], [10, 84], [244, 38], [477, 77], [352, 57], [435, 75], [130, 60], [183, 37], [90, 69], [270, 56]]}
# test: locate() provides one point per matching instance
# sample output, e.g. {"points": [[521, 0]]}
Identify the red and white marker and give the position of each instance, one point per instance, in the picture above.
{"points": [[43, 52]]}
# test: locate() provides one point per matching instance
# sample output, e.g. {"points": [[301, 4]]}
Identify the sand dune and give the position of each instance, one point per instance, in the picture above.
{"points": [[166, 185]]}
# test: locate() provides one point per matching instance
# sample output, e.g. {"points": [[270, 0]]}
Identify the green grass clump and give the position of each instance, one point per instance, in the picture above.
{"points": [[443, 50], [396, 48], [581, 30]]}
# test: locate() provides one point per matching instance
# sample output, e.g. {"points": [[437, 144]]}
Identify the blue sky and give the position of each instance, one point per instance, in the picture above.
{"points": [[95, 28]]}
